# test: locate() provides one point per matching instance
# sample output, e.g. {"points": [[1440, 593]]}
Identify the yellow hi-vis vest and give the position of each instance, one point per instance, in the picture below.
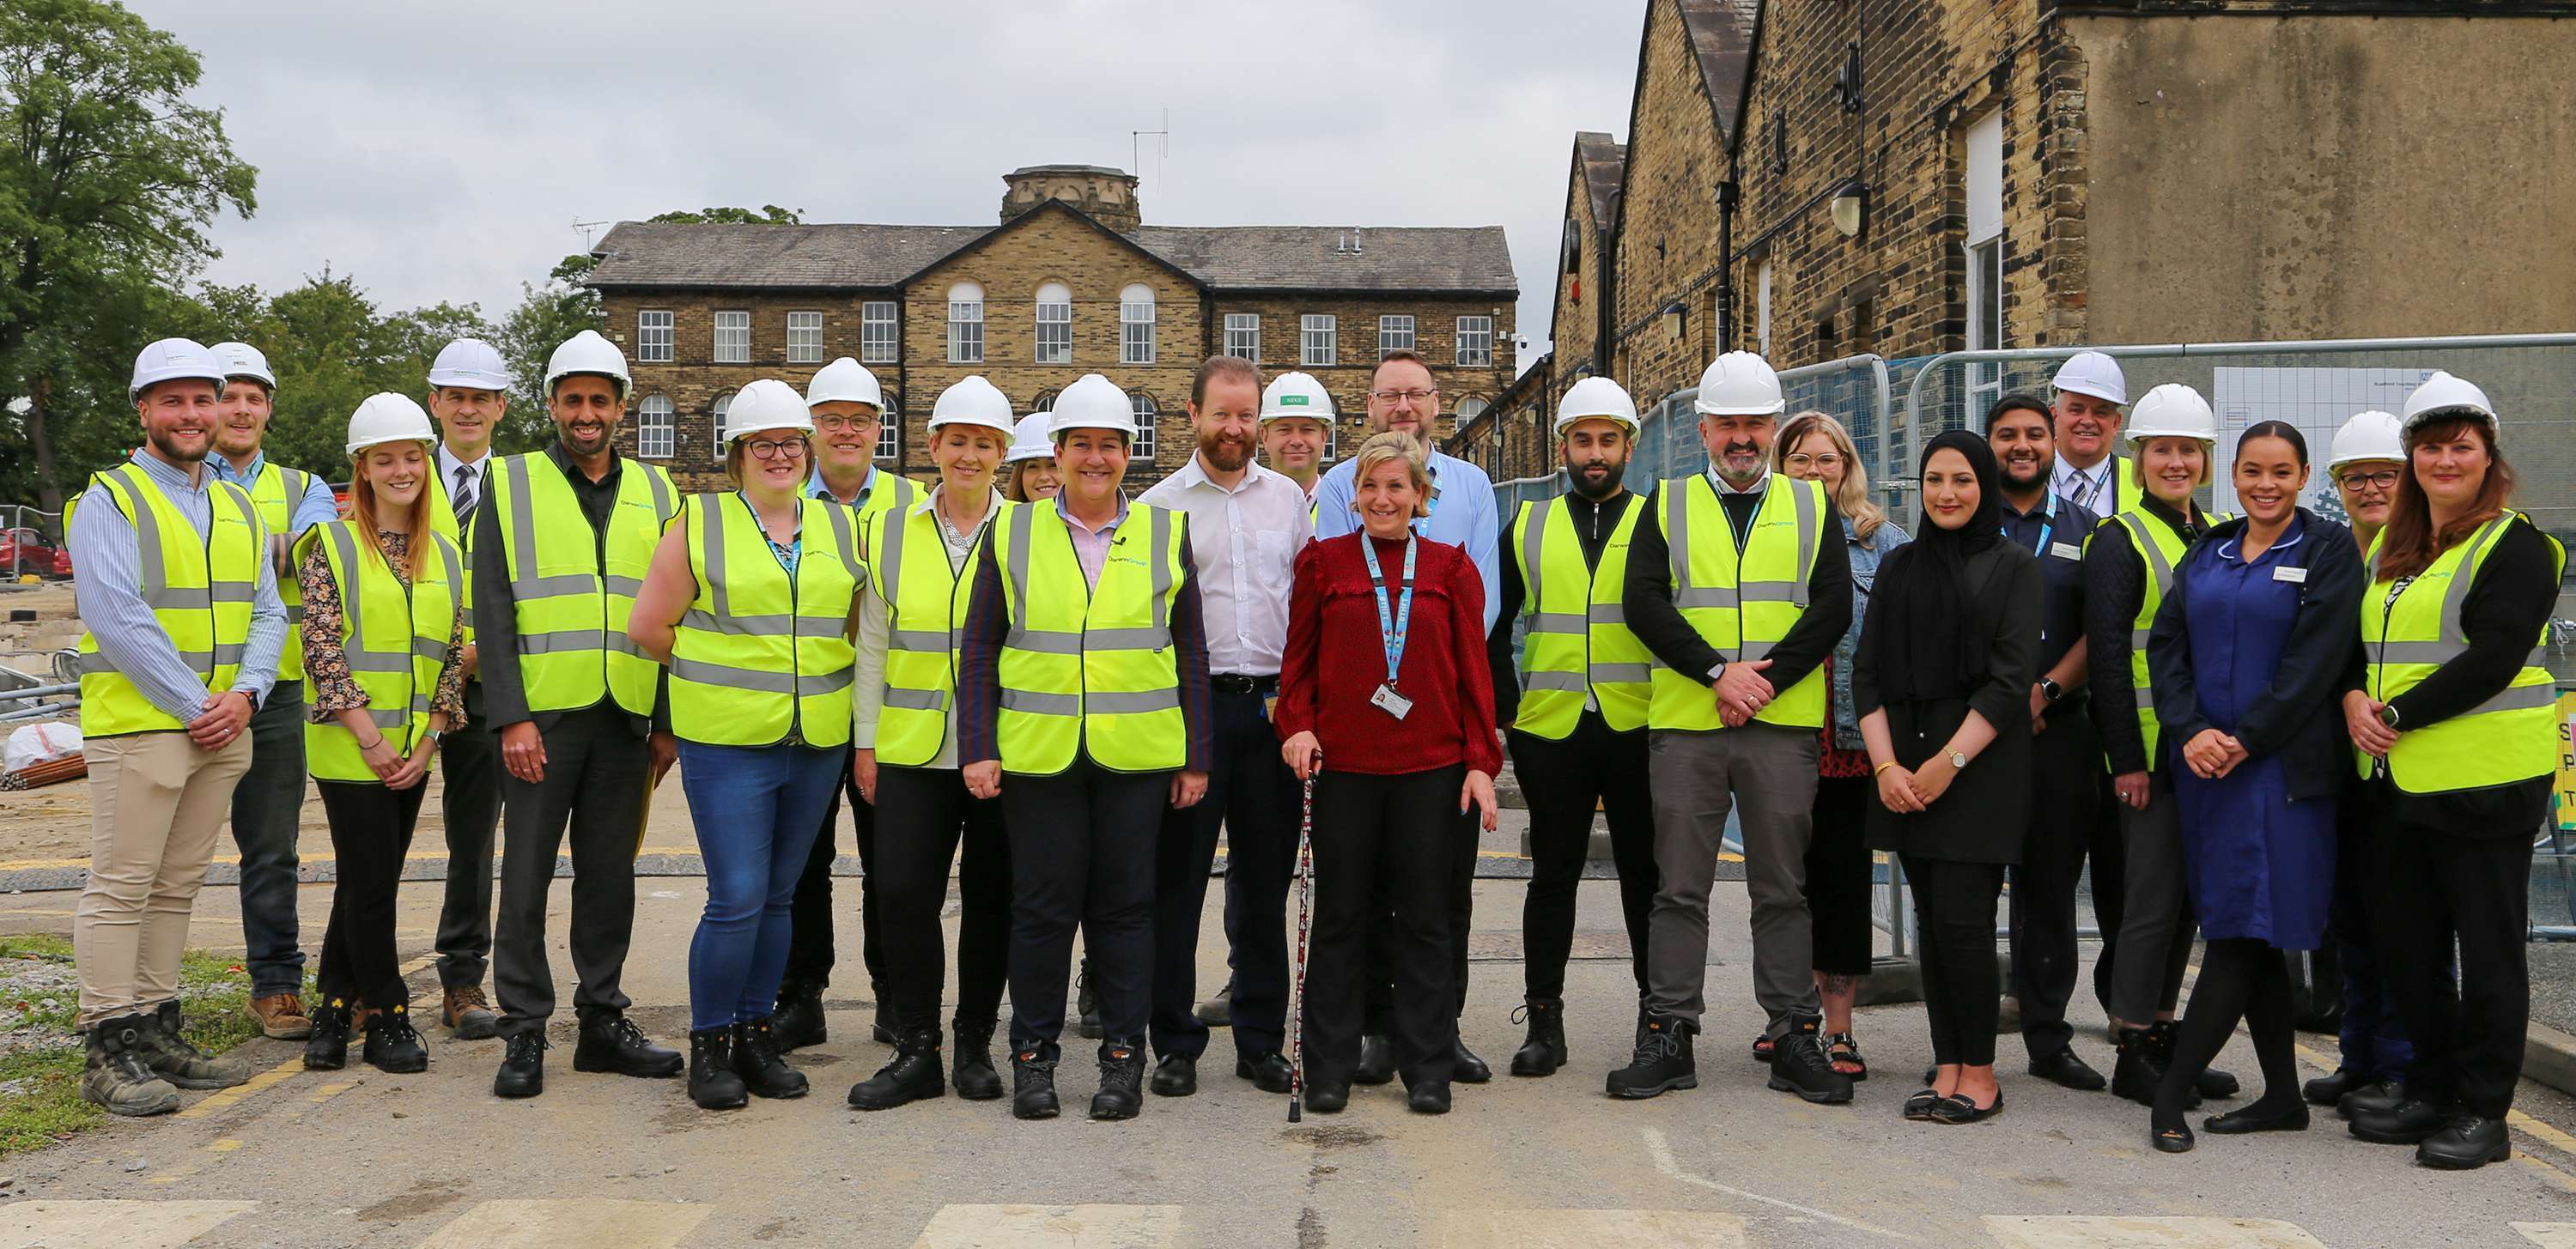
{"points": [[199, 589], [572, 611], [395, 638], [277, 491], [1578, 645], [442, 521], [2408, 632], [2160, 548], [761, 657], [925, 607], [1741, 603], [1083, 667], [887, 492]]}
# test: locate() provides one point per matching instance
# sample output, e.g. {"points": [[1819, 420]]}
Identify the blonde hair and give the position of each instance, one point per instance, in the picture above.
{"points": [[1852, 497], [2138, 460], [366, 517], [1391, 445]]}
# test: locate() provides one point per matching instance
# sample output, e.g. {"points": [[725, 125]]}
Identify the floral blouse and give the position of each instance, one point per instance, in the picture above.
{"points": [[328, 682]]}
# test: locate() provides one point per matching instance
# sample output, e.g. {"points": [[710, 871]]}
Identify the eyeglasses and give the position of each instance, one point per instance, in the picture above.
{"points": [[775, 449], [2378, 479], [1403, 396], [839, 424], [1800, 459]]}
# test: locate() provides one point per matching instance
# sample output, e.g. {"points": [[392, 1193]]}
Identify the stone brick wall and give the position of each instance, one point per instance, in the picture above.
{"points": [[692, 380], [1668, 244]]}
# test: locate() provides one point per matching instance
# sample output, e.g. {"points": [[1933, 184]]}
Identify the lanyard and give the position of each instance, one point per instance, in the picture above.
{"points": [[1392, 626], [1421, 524], [2048, 523]]}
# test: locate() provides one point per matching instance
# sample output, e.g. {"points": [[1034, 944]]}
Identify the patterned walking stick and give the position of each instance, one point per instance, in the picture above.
{"points": [[1305, 924]]}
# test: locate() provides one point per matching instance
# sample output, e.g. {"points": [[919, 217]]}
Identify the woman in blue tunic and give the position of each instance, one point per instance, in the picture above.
{"points": [[2245, 657]]}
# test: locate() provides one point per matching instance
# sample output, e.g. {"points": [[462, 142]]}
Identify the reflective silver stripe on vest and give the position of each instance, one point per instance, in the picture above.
{"points": [[918, 700], [2442, 653], [203, 661], [2457, 593], [525, 584], [711, 557], [663, 504], [2519, 698], [353, 611], [2151, 552], [569, 640], [1677, 541], [1808, 524], [1558, 622], [840, 518], [1610, 613], [1533, 543], [1041, 704], [1126, 703], [1162, 627], [803, 686], [152, 564], [1617, 674], [1562, 682], [889, 579]]}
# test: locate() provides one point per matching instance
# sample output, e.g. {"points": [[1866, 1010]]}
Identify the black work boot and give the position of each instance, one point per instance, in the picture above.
{"points": [[2409, 1122], [116, 1078], [523, 1065], [2465, 1143], [393, 1045], [798, 1020], [1122, 1081], [2371, 1099], [971, 1062], [1544, 1051], [912, 1076], [2141, 1068], [611, 1042], [1662, 1062], [167, 1052], [1086, 1004], [1033, 1086], [756, 1060], [1800, 1065], [328, 1048], [712, 1082]]}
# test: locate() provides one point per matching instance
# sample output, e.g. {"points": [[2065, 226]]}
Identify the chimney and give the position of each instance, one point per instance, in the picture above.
{"points": [[1355, 240]]}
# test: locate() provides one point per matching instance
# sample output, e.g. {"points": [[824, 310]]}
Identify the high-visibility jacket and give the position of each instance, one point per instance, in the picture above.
{"points": [[571, 609], [2409, 631], [762, 657], [2161, 549], [1578, 647], [395, 637], [442, 521], [1089, 668], [1741, 602], [277, 492], [892, 492], [926, 608], [199, 590]]}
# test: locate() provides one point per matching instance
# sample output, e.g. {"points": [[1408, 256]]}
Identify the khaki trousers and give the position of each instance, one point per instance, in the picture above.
{"points": [[156, 804]]}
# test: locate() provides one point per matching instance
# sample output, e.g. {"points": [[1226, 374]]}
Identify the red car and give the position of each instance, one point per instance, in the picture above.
{"points": [[25, 551]]}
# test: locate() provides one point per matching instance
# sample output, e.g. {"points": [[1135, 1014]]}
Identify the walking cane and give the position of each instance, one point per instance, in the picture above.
{"points": [[1305, 924]]}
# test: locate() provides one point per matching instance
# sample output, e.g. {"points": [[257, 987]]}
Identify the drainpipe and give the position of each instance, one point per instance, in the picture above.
{"points": [[1726, 198]]}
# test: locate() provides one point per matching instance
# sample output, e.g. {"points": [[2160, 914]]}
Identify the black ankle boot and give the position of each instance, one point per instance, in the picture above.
{"points": [[798, 1020], [1122, 1082], [756, 1060], [912, 1076], [328, 1048], [971, 1062], [393, 1045], [712, 1082], [1544, 1051], [1033, 1086], [2142, 1067], [1662, 1061]]}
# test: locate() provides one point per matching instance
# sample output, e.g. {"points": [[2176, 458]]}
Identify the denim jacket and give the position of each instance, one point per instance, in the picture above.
{"points": [[1865, 559]]}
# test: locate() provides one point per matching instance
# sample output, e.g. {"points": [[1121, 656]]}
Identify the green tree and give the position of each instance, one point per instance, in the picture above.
{"points": [[769, 215], [109, 178]]}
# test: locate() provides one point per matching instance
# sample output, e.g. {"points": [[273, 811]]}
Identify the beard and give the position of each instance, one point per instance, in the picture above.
{"points": [[1598, 479], [165, 444], [1228, 455], [2037, 476]]}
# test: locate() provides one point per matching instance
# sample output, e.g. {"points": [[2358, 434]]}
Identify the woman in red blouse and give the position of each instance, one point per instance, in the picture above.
{"points": [[1401, 759]]}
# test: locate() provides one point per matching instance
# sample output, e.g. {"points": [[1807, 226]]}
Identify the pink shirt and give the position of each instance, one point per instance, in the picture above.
{"points": [[1091, 546]]}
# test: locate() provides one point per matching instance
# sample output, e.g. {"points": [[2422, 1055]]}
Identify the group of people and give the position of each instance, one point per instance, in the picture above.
{"points": [[2273, 727]]}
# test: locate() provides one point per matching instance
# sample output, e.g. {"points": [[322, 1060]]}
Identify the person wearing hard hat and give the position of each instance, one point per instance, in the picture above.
{"points": [[849, 416], [1082, 701], [748, 603], [1247, 524], [1738, 584], [1029, 475], [2364, 462], [585, 735], [2128, 570], [178, 597], [1296, 427], [267, 805], [1575, 703], [1404, 398], [906, 762], [468, 387], [2070, 808], [2454, 717], [384, 647], [2086, 416]]}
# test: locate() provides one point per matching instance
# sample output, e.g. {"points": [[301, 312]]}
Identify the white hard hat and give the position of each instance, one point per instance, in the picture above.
{"points": [[845, 381], [244, 360], [973, 401], [1296, 394], [470, 363], [587, 352], [766, 404], [1596, 398], [387, 417], [2367, 436], [1029, 439], [170, 360], [2445, 395], [1092, 402], [1739, 383], [2172, 410], [2092, 373]]}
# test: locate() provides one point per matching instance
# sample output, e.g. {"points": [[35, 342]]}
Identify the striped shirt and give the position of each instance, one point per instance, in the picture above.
{"points": [[108, 591]]}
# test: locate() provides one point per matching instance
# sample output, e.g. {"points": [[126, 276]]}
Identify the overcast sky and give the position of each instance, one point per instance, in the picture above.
{"points": [[443, 151]]}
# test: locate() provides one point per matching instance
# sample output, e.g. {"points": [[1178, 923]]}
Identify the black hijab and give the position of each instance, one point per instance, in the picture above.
{"points": [[1935, 649]]}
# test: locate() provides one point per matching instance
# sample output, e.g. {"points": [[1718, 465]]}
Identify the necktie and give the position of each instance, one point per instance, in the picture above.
{"points": [[462, 498]]}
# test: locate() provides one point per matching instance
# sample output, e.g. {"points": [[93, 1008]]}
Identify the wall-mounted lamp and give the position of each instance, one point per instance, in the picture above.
{"points": [[1673, 319], [1851, 208]]}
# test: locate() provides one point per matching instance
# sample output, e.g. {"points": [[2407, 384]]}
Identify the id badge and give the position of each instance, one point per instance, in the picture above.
{"points": [[1390, 702], [2066, 550], [2290, 573]]}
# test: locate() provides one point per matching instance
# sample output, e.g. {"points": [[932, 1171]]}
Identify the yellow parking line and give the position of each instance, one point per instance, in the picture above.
{"points": [[231, 1097], [2514, 1119]]}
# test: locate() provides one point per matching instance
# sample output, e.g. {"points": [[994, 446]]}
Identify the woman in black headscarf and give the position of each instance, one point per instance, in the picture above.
{"points": [[1947, 655]]}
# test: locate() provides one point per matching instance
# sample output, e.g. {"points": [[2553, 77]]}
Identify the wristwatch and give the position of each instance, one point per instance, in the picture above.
{"points": [[2050, 687], [1959, 760], [2388, 714]]}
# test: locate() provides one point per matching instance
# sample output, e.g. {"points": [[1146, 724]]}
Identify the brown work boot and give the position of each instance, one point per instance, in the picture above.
{"points": [[281, 1015], [467, 1013]]}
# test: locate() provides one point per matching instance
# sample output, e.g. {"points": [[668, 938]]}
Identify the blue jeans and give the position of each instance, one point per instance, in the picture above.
{"points": [[757, 810]]}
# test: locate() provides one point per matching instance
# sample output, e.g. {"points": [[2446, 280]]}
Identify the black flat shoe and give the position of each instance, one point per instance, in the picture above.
{"points": [[1430, 1097], [1328, 1098], [2171, 1140], [1919, 1106], [1955, 1110], [2066, 1070], [1176, 1076], [2250, 1119], [1268, 1072]]}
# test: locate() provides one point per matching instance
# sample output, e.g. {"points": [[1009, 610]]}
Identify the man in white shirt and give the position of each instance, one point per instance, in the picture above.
{"points": [[468, 393], [1246, 525], [2086, 418]]}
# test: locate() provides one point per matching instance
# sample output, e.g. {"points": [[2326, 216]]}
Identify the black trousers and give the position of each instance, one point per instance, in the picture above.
{"points": [[1381, 839], [922, 815], [469, 762], [1563, 780], [1386, 935], [2070, 820], [597, 770], [1838, 875], [809, 942], [2428, 889], [1954, 909], [1255, 797], [371, 829], [1082, 855]]}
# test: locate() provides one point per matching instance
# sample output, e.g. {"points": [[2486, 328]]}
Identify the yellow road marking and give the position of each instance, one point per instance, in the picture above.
{"points": [[2513, 1118], [230, 1097], [223, 1145], [329, 1091]]}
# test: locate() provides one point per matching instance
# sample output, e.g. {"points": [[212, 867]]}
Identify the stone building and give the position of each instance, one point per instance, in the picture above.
{"points": [[1070, 281]]}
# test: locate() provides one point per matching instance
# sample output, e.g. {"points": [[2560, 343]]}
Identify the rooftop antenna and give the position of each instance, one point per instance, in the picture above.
{"points": [[1162, 147], [585, 227]]}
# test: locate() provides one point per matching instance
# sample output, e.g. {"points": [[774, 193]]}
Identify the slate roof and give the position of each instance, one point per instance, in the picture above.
{"points": [[1603, 162], [1721, 34]]}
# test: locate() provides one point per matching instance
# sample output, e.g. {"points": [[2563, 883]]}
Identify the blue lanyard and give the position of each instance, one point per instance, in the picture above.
{"points": [[2047, 523], [1421, 525], [1391, 626]]}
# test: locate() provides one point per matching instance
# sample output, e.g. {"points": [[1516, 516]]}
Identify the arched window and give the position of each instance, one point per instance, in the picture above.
{"points": [[1469, 409], [966, 324], [716, 425], [1055, 324], [654, 438], [1144, 405], [1136, 324]]}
